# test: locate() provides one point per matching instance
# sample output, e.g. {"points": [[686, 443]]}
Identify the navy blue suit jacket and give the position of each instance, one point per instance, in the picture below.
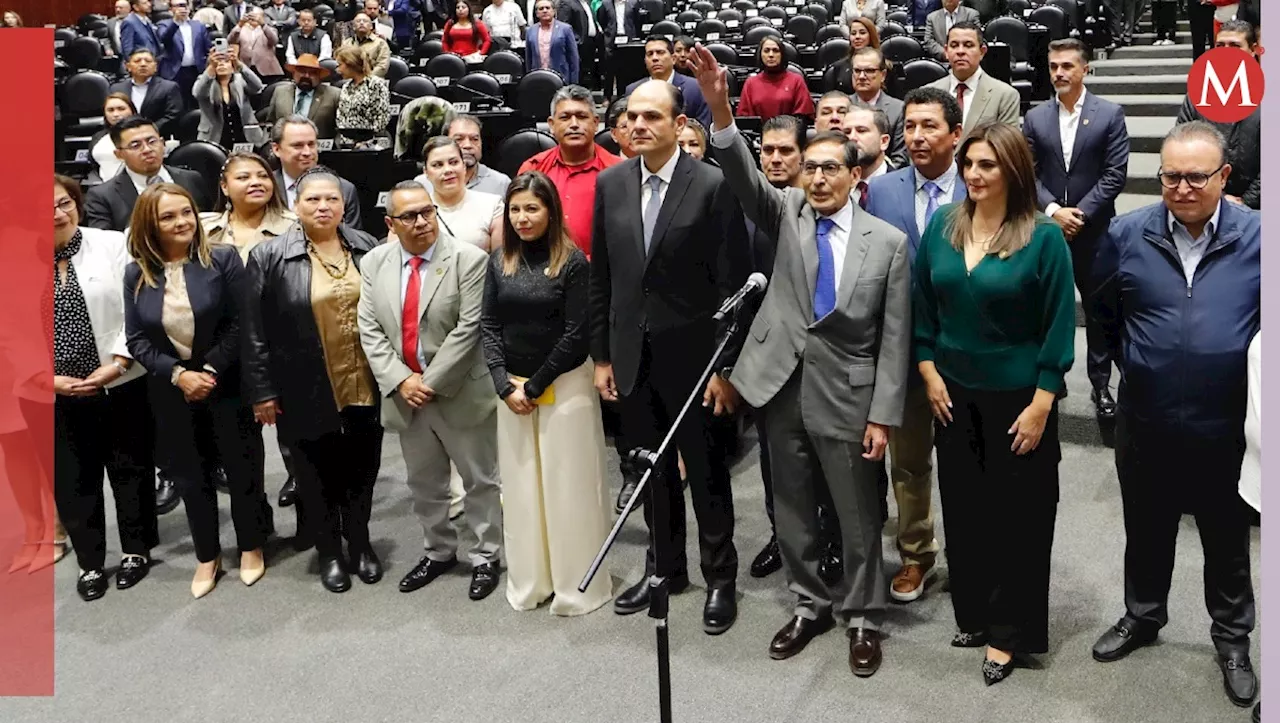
{"points": [[171, 59], [893, 200], [134, 34], [564, 50], [694, 104]]}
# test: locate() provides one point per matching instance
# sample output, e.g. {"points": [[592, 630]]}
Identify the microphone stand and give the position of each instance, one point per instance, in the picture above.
{"points": [[660, 533]]}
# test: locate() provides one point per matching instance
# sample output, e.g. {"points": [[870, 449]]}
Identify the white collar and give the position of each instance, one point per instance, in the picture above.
{"points": [[1210, 227], [1084, 92], [971, 84], [874, 100], [426, 256], [136, 84], [665, 173], [843, 219], [140, 181], [670, 78], [946, 181], [289, 181], [883, 169]]}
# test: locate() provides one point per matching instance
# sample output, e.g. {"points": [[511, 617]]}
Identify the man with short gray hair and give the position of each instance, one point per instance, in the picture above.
{"points": [[576, 161], [294, 142], [465, 130]]}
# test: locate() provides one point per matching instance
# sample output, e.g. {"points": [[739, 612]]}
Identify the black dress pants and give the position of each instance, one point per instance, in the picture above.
{"points": [[669, 368], [110, 432], [1084, 248], [225, 420], [1160, 477], [999, 510], [1200, 18], [1164, 16], [335, 481]]}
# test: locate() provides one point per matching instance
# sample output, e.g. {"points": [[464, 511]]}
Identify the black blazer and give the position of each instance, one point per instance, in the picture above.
{"points": [[109, 205], [162, 105], [699, 256], [283, 357], [215, 293], [350, 200]]}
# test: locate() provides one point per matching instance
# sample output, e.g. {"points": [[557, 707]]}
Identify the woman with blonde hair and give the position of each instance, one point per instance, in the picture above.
{"points": [[364, 105], [551, 452], [182, 322], [995, 335]]}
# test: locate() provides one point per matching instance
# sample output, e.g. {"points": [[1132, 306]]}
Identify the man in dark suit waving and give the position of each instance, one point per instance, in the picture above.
{"points": [[1081, 148], [668, 245], [109, 205]]}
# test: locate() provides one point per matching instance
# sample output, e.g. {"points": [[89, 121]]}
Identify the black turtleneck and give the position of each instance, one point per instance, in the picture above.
{"points": [[534, 326]]}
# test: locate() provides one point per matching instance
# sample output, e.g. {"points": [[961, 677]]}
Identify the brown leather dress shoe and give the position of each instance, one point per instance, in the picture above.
{"points": [[908, 584], [864, 652], [795, 635]]}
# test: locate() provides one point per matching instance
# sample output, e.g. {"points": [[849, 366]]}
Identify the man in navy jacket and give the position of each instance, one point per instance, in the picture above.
{"points": [[1179, 299], [179, 63]]}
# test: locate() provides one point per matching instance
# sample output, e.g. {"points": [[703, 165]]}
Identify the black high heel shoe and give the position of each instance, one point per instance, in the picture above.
{"points": [[993, 672], [968, 640]]}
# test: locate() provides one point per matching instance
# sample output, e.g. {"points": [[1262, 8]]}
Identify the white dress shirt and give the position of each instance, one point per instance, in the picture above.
{"points": [[620, 11], [326, 49], [971, 88], [140, 181], [883, 169], [405, 271], [1068, 126], [505, 21], [591, 18], [188, 44], [947, 182], [138, 93], [665, 173], [1191, 250], [290, 188]]}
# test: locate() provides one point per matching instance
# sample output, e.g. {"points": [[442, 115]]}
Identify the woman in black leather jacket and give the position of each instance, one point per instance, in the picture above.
{"points": [[305, 369]]}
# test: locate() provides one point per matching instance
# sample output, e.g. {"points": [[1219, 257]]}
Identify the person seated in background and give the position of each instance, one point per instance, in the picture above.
{"points": [[833, 106], [222, 93], [550, 44], [294, 142], [308, 95], [776, 89], [464, 34], [109, 205], [364, 105], [307, 40], [257, 41], [465, 130], [368, 42], [693, 139], [156, 99], [102, 152], [620, 127]]}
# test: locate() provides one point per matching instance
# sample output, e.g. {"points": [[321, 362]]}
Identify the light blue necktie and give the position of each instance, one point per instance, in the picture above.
{"points": [[302, 103], [651, 210], [934, 191], [824, 291]]}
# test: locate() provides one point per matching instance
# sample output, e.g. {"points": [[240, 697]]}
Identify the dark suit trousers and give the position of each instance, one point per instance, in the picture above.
{"points": [[1160, 476], [589, 53], [1000, 575], [335, 481], [110, 432], [609, 70], [1084, 248], [803, 463], [230, 425], [666, 376], [186, 79], [1164, 17], [1200, 18]]}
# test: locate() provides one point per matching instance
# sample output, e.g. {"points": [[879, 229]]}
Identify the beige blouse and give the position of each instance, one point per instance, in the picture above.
{"points": [[333, 302], [177, 318], [217, 227]]}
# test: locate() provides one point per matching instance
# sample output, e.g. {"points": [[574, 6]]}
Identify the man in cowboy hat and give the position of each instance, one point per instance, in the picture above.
{"points": [[307, 95]]}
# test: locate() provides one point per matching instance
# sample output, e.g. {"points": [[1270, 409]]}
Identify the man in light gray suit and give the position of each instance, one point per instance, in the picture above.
{"points": [[825, 361], [939, 23], [981, 97], [419, 319]]}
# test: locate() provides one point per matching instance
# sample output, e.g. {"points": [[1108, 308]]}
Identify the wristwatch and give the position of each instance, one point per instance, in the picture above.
{"points": [[123, 369], [725, 372]]}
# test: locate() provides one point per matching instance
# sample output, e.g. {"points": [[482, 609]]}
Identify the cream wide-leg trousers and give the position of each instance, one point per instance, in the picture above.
{"points": [[555, 499]]}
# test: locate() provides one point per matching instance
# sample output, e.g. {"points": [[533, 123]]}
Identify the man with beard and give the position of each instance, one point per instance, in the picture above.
{"points": [[465, 129], [306, 96]]}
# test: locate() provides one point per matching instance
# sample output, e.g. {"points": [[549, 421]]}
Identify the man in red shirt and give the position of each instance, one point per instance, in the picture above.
{"points": [[576, 161]]}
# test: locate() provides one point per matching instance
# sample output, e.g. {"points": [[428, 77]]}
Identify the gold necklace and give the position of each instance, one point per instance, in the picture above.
{"points": [[335, 271]]}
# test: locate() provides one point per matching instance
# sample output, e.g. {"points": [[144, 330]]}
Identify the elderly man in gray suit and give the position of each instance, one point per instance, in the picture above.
{"points": [[826, 362], [419, 319], [981, 97], [939, 23]]}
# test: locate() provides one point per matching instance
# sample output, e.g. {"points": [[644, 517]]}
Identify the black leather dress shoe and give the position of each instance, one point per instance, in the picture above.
{"points": [[334, 576], [636, 598], [132, 569], [796, 634], [830, 566], [368, 566], [166, 495], [424, 572], [629, 482], [768, 561], [288, 493], [721, 610], [1104, 403], [864, 652], [1123, 638], [92, 585], [1238, 678], [484, 580]]}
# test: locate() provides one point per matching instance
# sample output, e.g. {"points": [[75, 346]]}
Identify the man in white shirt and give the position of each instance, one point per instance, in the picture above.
{"points": [[307, 40], [869, 74], [186, 45], [869, 128], [109, 205], [383, 25], [505, 20], [981, 97]]}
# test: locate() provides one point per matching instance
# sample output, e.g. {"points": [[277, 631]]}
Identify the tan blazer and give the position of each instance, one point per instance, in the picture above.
{"points": [[323, 112], [995, 100], [376, 50], [449, 332]]}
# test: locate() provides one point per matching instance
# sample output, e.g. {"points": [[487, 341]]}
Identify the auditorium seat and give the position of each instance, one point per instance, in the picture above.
{"points": [[901, 17], [83, 95], [519, 147], [188, 126], [665, 27], [819, 13], [803, 28], [832, 52], [830, 31], [426, 50], [446, 65], [396, 70], [723, 54], [505, 62], [1053, 18], [753, 36], [203, 157], [415, 86], [534, 92], [82, 53], [902, 48], [921, 72], [711, 27], [479, 88], [891, 30]]}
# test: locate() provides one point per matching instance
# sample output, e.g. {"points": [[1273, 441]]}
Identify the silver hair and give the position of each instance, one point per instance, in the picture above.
{"points": [[1197, 130], [316, 175], [571, 92]]}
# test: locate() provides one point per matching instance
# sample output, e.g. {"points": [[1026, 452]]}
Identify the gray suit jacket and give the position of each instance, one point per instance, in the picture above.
{"points": [[995, 100], [935, 36], [448, 333], [323, 111], [208, 95], [856, 357]]}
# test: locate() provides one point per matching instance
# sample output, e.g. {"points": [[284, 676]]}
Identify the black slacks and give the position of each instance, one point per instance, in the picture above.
{"points": [[1160, 476], [113, 432], [999, 510], [335, 481], [1200, 17], [1164, 15], [668, 371], [186, 80], [1084, 248], [225, 420]]}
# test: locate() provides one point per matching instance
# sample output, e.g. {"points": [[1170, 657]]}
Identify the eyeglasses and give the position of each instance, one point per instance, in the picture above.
{"points": [[829, 169], [865, 71], [152, 142], [426, 214], [66, 206], [1194, 180]]}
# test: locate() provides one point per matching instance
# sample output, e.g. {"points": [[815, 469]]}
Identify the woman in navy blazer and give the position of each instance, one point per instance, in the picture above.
{"points": [[182, 324], [564, 45]]}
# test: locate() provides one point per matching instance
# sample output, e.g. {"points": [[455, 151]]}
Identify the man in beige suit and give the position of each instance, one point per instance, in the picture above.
{"points": [[981, 97], [307, 95], [419, 318]]}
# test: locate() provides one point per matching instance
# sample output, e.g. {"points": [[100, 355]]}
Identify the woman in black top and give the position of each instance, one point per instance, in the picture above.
{"points": [[550, 441]]}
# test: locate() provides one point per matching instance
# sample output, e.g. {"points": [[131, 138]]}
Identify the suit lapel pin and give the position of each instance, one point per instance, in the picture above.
{"points": [[1086, 121], [439, 271]]}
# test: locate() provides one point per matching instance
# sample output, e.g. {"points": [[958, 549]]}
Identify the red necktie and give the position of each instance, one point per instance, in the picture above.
{"points": [[409, 324], [865, 191], [960, 89]]}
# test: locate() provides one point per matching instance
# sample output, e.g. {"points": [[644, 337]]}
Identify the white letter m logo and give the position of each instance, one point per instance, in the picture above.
{"points": [[1241, 78]]}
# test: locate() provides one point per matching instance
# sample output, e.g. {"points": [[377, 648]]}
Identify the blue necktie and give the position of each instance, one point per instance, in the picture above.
{"points": [[934, 191], [651, 210], [824, 291]]}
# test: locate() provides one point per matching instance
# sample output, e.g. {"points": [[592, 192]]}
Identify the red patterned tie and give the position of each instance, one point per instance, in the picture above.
{"points": [[864, 192], [960, 89], [409, 324]]}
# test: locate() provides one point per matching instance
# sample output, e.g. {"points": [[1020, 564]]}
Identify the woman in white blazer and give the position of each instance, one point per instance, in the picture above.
{"points": [[102, 419], [851, 10]]}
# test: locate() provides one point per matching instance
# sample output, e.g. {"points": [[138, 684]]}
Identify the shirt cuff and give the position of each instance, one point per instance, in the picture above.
{"points": [[177, 372], [724, 137], [1051, 209]]}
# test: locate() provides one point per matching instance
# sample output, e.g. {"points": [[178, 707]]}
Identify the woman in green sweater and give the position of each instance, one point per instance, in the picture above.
{"points": [[995, 334]]}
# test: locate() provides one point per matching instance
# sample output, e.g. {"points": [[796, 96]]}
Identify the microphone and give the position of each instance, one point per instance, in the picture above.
{"points": [[756, 284], [483, 95]]}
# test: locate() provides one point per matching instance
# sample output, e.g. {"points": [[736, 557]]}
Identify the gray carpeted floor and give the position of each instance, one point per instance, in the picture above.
{"points": [[286, 650]]}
